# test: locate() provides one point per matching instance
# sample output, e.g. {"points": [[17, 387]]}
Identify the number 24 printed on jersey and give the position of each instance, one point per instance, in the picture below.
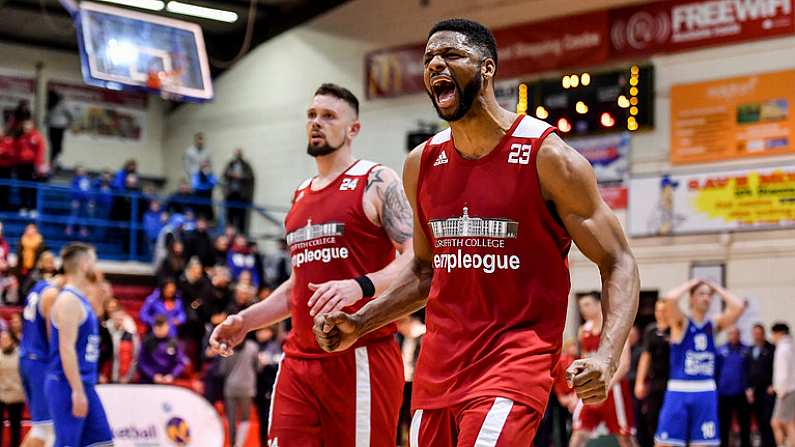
{"points": [[520, 154]]}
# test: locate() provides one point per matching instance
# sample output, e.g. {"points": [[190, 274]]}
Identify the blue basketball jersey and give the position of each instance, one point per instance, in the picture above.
{"points": [[34, 344], [693, 358], [87, 345]]}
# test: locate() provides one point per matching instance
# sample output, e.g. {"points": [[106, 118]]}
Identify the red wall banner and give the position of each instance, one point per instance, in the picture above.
{"points": [[677, 25], [595, 38]]}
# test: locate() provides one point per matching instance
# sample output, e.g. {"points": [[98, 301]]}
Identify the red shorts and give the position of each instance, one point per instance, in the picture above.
{"points": [[615, 412], [481, 422], [348, 400]]}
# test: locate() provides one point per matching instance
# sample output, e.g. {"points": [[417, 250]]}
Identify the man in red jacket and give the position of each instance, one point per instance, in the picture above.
{"points": [[8, 156], [31, 148]]}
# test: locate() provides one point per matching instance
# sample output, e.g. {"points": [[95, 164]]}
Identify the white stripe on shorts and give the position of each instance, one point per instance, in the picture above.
{"points": [[273, 392], [495, 421], [414, 431], [362, 397], [621, 412]]}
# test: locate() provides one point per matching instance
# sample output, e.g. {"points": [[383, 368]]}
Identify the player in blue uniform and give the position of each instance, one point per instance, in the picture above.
{"points": [[689, 414], [77, 412], [33, 358]]}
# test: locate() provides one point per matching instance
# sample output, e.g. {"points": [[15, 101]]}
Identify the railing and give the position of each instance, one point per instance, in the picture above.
{"points": [[96, 219]]}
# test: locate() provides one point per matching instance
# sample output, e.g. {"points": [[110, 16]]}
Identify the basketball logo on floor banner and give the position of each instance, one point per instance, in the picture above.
{"points": [[160, 415]]}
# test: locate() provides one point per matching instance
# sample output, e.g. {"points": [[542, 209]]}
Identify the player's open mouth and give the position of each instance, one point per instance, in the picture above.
{"points": [[444, 90]]}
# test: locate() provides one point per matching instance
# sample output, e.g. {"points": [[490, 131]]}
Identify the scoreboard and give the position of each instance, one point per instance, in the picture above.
{"points": [[587, 103]]}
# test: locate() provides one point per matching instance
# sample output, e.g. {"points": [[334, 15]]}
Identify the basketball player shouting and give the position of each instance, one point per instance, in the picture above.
{"points": [[689, 415], [616, 411], [498, 199], [343, 230]]}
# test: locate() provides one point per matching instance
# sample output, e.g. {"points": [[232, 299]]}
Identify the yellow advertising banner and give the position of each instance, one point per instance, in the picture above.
{"points": [[743, 199], [733, 118]]}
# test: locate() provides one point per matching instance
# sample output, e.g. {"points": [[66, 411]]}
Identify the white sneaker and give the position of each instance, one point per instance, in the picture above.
{"points": [[33, 214], [23, 212]]}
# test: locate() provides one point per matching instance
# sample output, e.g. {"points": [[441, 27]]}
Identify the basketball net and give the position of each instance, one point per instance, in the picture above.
{"points": [[160, 82]]}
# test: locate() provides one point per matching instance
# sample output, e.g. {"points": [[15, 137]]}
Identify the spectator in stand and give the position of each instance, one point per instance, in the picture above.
{"points": [[21, 114], [103, 199], [198, 243], [15, 326], [59, 118], [12, 395], [269, 354], [196, 291], [126, 346], [221, 250], [243, 298], [31, 246], [732, 382], [203, 182], [238, 189], [45, 269], [182, 200], [760, 384], [230, 232], [222, 294], [120, 179], [241, 258], [8, 159], [154, 221], [174, 263], [122, 208], [164, 302], [783, 421], [82, 203], [651, 378], [195, 155], [162, 359], [277, 266], [240, 385], [9, 287], [31, 166]]}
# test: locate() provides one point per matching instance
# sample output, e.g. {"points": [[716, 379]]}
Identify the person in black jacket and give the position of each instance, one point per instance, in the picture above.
{"points": [[198, 243], [760, 384]]}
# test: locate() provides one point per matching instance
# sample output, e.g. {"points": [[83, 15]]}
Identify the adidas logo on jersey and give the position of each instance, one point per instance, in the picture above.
{"points": [[441, 159]]}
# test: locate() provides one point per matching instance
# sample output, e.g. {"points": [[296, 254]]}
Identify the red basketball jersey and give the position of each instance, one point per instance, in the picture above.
{"points": [[589, 339], [331, 238], [497, 304]]}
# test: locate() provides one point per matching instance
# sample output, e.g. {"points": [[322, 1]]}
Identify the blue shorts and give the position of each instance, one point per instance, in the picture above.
{"points": [[34, 373], [70, 431], [689, 418]]}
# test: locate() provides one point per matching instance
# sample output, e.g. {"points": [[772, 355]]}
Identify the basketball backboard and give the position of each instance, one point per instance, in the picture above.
{"points": [[122, 49]]}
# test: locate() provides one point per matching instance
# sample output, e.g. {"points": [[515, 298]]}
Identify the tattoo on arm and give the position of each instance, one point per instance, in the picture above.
{"points": [[396, 214], [374, 179]]}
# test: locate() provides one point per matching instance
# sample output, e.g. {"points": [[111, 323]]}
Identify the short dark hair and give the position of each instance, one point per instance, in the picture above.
{"points": [[329, 89], [477, 35], [71, 253], [781, 328], [759, 326]]}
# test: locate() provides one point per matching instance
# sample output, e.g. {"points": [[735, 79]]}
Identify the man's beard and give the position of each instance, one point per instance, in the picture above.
{"points": [[466, 98], [325, 149]]}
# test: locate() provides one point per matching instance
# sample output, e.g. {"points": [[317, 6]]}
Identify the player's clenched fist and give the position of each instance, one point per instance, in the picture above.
{"points": [[336, 331], [590, 377]]}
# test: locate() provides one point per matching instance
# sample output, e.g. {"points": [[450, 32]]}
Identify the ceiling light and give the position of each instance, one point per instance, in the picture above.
{"points": [[566, 82], [152, 5], [623, 102], [585, 79], [575, 81], [581, 107], [633, 91], [607, 120], [201, 11]]}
